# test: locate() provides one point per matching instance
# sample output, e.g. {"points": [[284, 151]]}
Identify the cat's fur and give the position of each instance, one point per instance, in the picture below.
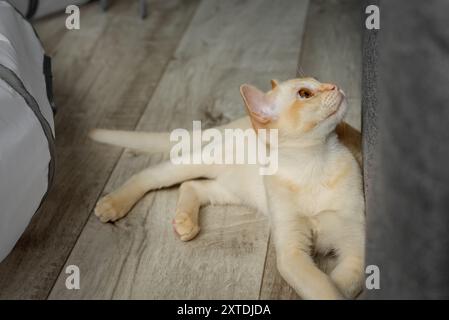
{"points": [[314, 201]]}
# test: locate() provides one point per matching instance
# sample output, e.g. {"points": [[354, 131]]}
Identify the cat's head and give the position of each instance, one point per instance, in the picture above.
{"points": [[298, 108]]}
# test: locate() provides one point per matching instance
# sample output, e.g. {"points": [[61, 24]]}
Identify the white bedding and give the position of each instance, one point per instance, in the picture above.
{"points": [[26, 127]]}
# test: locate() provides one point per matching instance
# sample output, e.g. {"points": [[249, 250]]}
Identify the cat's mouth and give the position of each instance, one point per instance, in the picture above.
{"points": [[337, 108], [334, 112], [339, 104]]}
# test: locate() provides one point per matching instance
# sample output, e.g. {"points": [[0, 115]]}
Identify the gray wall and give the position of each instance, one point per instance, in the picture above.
{"points": [[407, 148]]}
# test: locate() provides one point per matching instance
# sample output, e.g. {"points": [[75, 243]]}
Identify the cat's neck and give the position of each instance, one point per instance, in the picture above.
{"points": [[306, 146], [297, 153], [306, 163]]}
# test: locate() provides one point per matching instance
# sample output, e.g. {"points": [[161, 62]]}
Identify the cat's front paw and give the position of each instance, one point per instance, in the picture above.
{"points": [[185, 227], [109, 209]]}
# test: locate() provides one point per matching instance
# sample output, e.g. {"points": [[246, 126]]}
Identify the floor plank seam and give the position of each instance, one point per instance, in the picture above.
{"points": [[82, 229], [119, 158], [299, 70], [264, 265], [298, 74]]}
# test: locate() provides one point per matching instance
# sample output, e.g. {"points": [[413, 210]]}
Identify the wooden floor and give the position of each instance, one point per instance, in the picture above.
{"points": [[184, 62]]}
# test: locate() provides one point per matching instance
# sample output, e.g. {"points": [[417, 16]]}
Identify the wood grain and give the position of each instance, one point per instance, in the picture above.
{"points": [[332, 49], [331, 52], [104, 75], [227, 43]]}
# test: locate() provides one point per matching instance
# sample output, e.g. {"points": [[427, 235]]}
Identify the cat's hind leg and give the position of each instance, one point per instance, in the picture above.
{"points": [[193, 195], [118, 203]]}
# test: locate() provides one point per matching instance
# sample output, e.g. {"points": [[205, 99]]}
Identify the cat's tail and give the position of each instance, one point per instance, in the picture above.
{"points": [[148, 142], [151, 142]]}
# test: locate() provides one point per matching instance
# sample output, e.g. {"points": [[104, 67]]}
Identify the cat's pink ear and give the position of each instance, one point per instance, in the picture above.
{"points": [[259, 105]]}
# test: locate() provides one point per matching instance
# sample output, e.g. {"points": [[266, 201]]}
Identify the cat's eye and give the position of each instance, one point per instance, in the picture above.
{"points": [[305, 93]]}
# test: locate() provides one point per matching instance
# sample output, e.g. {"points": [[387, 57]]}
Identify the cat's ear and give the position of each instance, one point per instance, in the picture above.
{"points": [[274, 83], [259, 105]]}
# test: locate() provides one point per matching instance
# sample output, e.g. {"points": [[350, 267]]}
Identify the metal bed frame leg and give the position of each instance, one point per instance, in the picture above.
{"points": [[104, 4], [143, 7]]}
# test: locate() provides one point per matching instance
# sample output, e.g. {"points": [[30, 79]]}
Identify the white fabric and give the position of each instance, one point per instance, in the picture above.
{"points": [[21, 5], [24, 151]]}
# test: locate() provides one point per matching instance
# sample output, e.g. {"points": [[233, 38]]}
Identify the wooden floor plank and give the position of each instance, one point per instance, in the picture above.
{"points": [[228, 43], [104, 75], [331, 51]]}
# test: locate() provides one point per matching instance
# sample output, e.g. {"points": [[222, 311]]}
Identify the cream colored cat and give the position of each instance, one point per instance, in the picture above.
{"points": [[314, 201]]}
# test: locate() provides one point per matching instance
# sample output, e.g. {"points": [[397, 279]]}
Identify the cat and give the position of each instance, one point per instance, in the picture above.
{"points": [[314, 201]]}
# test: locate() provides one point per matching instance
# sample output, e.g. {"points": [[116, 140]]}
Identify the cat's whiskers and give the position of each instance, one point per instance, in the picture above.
{"points": [[300, 72]]}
